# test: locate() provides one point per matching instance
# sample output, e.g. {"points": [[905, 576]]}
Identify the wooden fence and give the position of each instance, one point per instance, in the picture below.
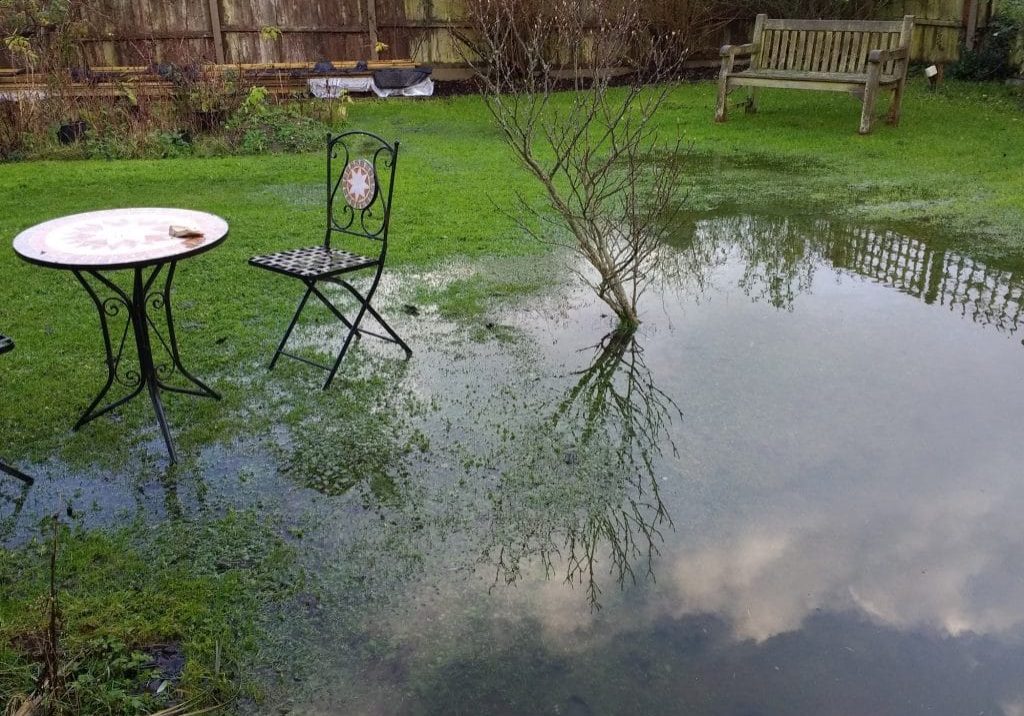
{"points": [[140, 32]]}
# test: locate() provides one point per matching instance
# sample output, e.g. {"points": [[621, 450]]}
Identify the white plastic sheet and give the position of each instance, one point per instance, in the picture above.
{"points": [[334, 87]]}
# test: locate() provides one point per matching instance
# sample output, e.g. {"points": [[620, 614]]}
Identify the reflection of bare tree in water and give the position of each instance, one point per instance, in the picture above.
{"points": [[586, 491]]}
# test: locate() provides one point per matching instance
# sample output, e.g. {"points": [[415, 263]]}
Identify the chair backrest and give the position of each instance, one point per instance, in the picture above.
{"points": [[360, 182], [834, 46]]}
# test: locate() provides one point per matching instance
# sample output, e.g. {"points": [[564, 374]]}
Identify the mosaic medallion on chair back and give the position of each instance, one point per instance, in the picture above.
{"points": [[359, 183]]}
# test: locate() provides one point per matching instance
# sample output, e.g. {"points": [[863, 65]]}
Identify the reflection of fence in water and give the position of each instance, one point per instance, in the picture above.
{"points": [[987, 295], [780, 257]]}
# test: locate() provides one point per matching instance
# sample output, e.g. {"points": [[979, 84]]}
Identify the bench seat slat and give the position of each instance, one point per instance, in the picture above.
{"points": [[843, 77]]}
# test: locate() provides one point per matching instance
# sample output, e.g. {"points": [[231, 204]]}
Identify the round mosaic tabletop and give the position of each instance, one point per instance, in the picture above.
{"points": [[120, 238]]}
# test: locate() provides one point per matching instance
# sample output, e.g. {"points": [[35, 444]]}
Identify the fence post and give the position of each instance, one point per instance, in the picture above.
{"points": [[218, 36], [371, 26]]}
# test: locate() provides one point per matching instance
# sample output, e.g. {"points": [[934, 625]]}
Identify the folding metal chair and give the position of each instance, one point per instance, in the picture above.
{"points": [[360, 182], [6, 346]]}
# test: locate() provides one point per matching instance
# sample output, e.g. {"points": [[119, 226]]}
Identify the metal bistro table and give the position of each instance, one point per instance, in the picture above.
{"points": [[96, 243]]}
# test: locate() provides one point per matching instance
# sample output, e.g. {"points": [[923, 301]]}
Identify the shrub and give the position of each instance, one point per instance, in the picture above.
{"points": [[995, 55], [261, 126]]}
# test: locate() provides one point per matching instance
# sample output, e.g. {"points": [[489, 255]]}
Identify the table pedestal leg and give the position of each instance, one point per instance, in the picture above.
{"points": [[15, 473], [150, 375]]}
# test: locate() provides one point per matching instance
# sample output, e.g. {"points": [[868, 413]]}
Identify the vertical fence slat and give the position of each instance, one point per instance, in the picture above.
{"points": [[218, 36]]}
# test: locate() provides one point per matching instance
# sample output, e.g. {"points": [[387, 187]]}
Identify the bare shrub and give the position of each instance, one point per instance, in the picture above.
{"points": [[609, 179]]}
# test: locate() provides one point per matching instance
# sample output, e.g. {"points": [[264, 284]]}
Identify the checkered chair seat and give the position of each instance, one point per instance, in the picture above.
{"points": [[312, 262]]}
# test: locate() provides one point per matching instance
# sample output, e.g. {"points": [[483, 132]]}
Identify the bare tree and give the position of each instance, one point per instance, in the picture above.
{"points": [[609, 178]]}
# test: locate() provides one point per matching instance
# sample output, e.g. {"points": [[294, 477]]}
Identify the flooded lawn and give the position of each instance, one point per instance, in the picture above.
{"points": [[797, 490]]}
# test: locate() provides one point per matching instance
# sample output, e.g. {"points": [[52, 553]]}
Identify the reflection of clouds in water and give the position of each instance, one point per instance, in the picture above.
{"points": [[1015, 708], [943, 562]]}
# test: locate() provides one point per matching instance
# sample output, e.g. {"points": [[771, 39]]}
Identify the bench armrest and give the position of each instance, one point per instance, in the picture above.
{"points": [[877, 56], [734, 50]]}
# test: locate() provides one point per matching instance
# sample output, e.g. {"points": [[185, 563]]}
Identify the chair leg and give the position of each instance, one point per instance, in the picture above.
{"points": [[291, 327], [364, 307], [352, 325], [344, 347], [377, 317], [723, 93], [15, 473], [334, 309]]}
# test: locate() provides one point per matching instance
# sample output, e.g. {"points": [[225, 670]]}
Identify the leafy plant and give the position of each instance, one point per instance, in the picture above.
{"points": [[259, 125], [270, 32], [994, 55]]}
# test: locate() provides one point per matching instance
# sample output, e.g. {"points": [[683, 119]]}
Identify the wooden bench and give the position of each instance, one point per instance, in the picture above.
{"points": [[856, 56]]}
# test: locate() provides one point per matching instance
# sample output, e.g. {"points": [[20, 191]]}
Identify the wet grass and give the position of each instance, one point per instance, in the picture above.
{"points": [[954, 165], [198, 590], [953, 168]]}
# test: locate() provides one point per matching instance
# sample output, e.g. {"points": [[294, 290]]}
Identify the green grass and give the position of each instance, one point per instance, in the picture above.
{"points": [[953, 168], [198, 587]]}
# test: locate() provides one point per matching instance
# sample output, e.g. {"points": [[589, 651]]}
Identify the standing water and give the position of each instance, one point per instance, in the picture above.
{"points": [[797, 490]]}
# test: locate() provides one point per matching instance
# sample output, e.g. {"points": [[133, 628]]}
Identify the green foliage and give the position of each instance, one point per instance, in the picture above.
{"points": [[209, 113], [994, 55], [259, 126], [270, 32], [45, 33]]}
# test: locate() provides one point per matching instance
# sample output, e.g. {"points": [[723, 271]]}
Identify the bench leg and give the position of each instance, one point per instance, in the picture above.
{"points": [[751, 107], [867, 111], [896, 105], [720, 113], [723, 89]]}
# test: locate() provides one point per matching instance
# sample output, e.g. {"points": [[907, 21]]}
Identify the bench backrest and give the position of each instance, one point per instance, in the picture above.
{"points": [[835, 46]]}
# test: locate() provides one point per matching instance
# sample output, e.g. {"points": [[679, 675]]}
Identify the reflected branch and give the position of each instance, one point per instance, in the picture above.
{"points": [[587, 494]]}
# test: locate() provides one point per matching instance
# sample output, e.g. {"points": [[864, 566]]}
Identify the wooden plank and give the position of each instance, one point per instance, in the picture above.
{"points": [[821, 51], [833, 55], [780, 62], [851, 56], [371, 26], [776, 44], [837, 46], [758, 38], [740, 81], [934, 22], [866, 46], [218, 36], [835, 25], [817, 47], [844, 54], [806, 51], [798, 53]]}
